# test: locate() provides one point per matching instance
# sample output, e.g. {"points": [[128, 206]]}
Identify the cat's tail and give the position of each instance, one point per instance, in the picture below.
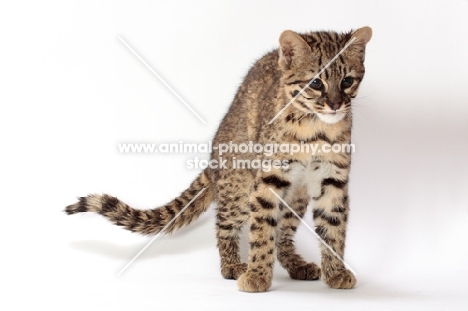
{"points": [[152, 221]]}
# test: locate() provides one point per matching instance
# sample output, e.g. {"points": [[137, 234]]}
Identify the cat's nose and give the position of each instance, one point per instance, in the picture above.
{"points": [[333, 105]]}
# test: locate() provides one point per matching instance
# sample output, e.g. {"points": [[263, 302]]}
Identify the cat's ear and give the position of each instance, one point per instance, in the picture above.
{"points": [[293, 49], [362, 36]]}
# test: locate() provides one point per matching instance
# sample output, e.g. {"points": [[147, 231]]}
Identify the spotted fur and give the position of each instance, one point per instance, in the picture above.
{"points": [[320, 115]]}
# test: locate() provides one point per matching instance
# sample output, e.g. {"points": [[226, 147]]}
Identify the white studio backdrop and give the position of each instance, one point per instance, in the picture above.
{"points": [[71, 91]]}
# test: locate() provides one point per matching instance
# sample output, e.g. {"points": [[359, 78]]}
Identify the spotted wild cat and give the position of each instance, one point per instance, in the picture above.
{"points": [[262, 113]]}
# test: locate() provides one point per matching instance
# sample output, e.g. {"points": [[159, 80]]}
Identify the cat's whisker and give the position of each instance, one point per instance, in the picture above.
{"points": [[361, 103], [358, 115]]}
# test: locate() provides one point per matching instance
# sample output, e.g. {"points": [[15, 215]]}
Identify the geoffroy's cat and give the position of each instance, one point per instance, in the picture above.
{"points": [[282, 100]]}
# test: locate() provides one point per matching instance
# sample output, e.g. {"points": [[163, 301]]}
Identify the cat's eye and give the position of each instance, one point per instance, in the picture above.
{"points": [[347, 82], [316, 84]]}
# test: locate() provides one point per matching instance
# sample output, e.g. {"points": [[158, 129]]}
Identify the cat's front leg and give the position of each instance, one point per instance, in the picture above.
{"points": [[330, 213], [264, 218]]}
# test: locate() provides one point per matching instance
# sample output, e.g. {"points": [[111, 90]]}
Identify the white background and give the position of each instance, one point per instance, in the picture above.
{"points": [[70, 91]]}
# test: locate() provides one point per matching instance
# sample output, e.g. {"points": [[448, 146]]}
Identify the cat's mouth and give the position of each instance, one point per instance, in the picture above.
{"points": [[331, 117], [328, 116], [331, 112]]}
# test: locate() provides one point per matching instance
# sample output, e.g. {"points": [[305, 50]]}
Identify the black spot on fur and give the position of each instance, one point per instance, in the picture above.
{"points": [[254, 227], [334, 221], [257, 244], [338, 209], [317, 213], [109, 204], [170, 211], [276, 181], [321, 231], [334, 182], [345, 200], [272, 222], [82, 206], [178, 202], [264, 203], [225, 227]]}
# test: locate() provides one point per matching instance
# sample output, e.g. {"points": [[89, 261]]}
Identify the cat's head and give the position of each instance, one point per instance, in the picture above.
{"points": [[323, 70]]}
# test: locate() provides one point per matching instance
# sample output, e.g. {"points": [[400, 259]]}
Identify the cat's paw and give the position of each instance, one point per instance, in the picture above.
{"points": [[342, 279], [253, 282], [233, 271], [308, 271]]}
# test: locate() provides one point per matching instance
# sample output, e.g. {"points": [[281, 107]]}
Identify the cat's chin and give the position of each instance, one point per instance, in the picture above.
{"points": [[331, 118]]}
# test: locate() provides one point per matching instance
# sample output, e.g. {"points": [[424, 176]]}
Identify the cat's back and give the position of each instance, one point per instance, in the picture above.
{"points": [[253, 103]]}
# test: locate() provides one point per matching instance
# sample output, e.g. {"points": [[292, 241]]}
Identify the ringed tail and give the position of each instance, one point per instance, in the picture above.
{"points": [[152, 221]]}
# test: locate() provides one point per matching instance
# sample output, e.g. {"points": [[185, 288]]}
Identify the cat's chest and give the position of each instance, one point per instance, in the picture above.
{"points": [[310, 175]]}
